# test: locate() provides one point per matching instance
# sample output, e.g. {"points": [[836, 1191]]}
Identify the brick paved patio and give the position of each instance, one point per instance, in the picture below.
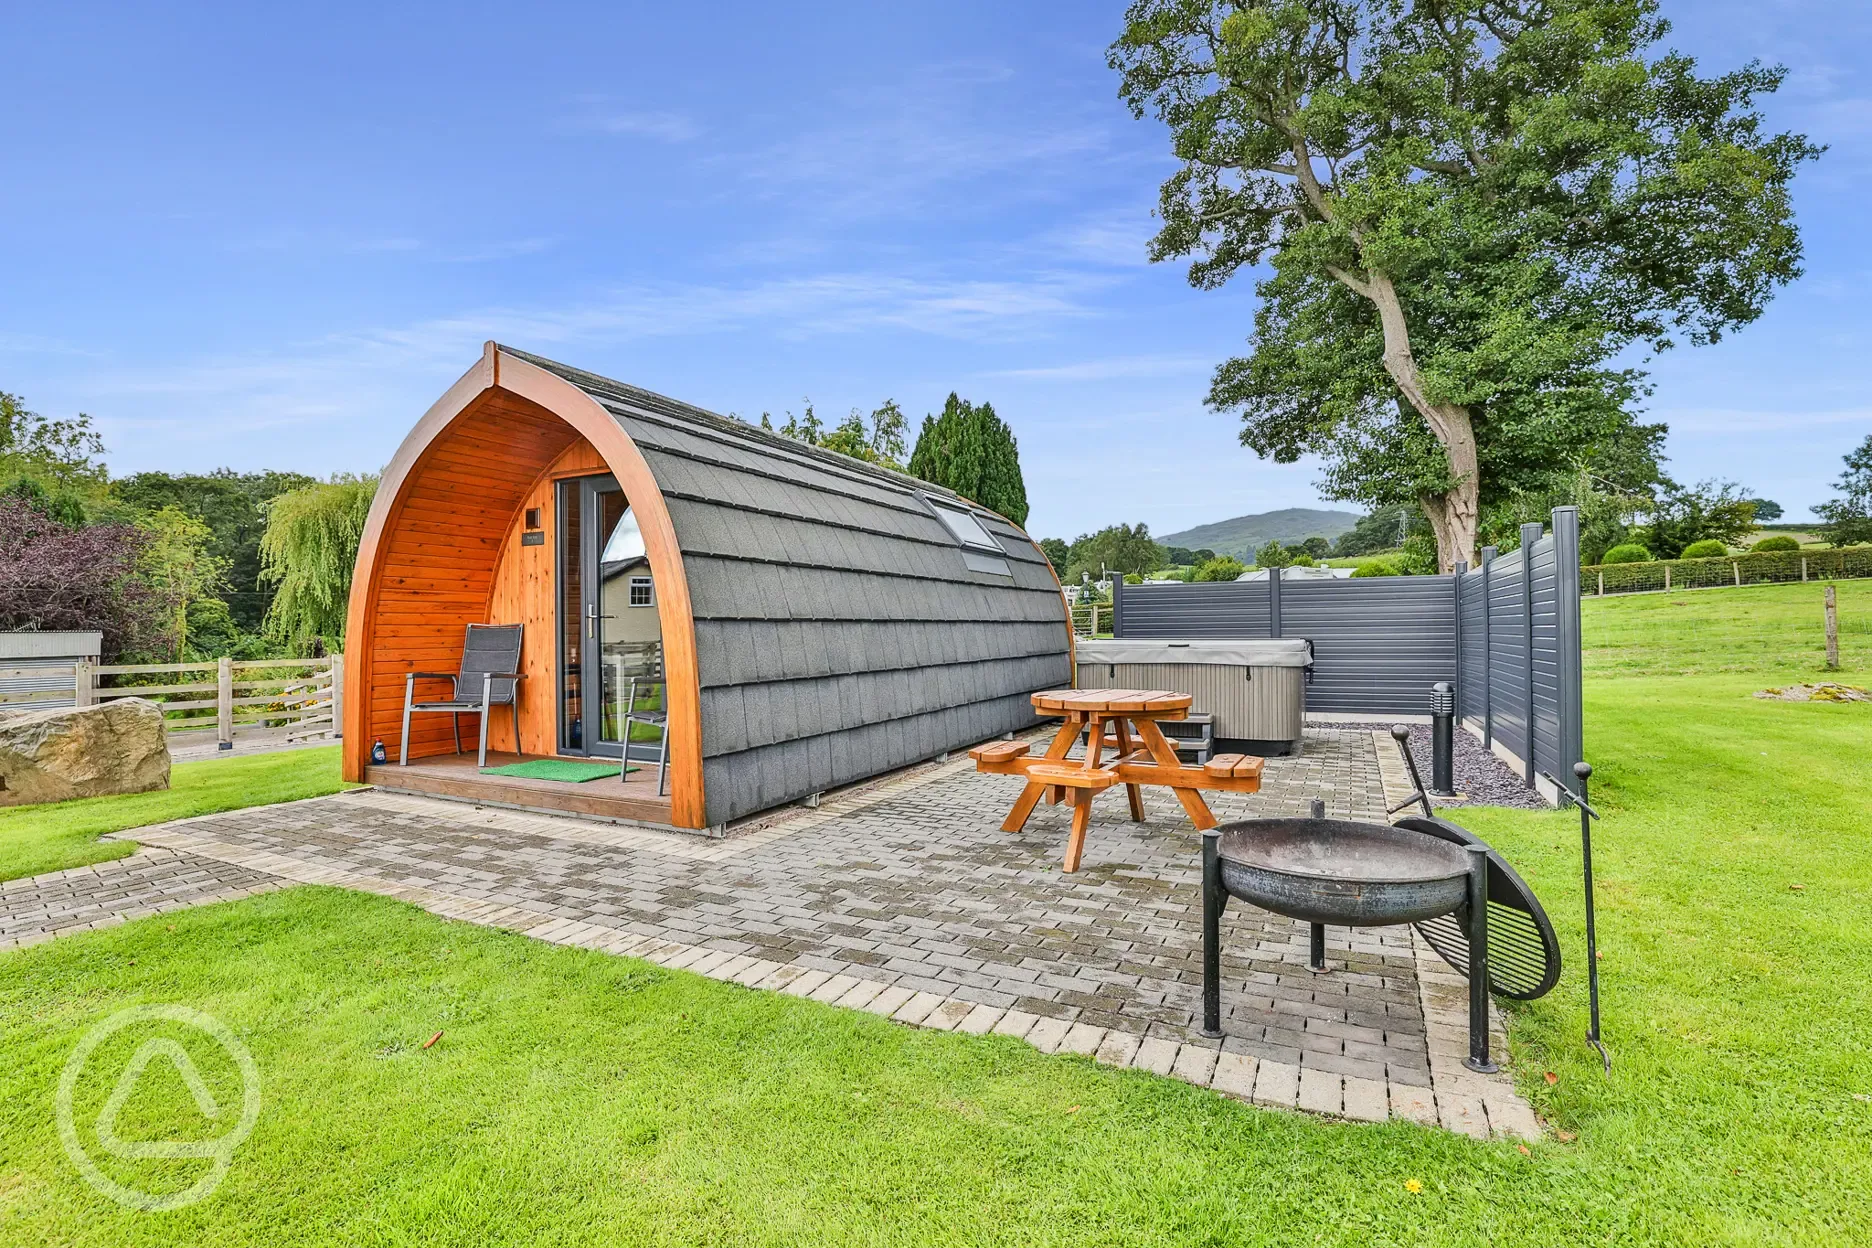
{"points": [[906, 898], [151, 881]]}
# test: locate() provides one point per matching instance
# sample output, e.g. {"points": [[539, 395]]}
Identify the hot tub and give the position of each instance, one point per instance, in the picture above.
{"points": [[1254, 690]]}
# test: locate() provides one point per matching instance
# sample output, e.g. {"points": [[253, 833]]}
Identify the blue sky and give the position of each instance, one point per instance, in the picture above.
{"points": [[267, 236]]}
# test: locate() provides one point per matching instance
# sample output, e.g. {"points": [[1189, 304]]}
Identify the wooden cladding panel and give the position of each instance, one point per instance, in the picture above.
{"points": [[525, 591], [438, 560], [436, 556]]}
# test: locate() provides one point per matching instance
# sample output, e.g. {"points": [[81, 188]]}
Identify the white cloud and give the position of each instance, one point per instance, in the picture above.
{"points": [[496, 251], [659, 124], [894, 146], [1119, 239], [356, 380], [1740, 420], [38, 344], [296, 238], [1113, 368]]}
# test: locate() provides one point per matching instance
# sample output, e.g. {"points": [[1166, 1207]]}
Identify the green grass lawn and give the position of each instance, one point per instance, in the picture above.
{"points": [[1774, 629], [37, 839], [576, 1097]]}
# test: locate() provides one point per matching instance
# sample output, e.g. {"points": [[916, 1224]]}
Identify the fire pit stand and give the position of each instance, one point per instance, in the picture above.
{"points": [[1347, 874]]}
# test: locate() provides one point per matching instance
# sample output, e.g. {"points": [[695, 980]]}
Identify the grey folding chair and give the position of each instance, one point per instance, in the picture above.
{"points": [[660, 719], [489, 676]]}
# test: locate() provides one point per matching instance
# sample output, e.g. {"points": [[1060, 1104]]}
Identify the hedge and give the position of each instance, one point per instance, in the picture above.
{"points": [[1761, 568]]}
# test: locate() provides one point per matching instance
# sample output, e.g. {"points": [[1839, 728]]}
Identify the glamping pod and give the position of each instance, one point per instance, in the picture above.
{"points": [[713, 619]]}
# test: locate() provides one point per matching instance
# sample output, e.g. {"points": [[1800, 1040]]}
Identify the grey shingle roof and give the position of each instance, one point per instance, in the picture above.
{"points": [[839, 631]]}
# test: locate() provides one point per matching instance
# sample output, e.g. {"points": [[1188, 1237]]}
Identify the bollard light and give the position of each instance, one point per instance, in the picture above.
{"points": [[1443, 739]]}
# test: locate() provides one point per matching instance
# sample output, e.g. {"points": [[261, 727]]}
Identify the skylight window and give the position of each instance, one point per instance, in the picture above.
{"points": [[967, 529]]}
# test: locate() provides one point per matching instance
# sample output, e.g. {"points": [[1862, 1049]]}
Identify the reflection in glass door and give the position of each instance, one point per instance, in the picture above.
{"points": [[610, 636]]}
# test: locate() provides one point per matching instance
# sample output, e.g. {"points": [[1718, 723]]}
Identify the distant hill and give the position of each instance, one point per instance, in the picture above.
{"points": [[1243, 535]]}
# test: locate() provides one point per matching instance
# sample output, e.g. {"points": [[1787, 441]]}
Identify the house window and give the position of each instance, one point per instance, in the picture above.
{"points": [[641, 592], [967, 529]]}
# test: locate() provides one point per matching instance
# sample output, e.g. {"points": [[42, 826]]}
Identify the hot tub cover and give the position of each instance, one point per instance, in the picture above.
{"points": [[1244, 652]]}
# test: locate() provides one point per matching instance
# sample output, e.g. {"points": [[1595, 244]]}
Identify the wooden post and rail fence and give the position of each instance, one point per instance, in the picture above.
{"points": [[303, 697]]}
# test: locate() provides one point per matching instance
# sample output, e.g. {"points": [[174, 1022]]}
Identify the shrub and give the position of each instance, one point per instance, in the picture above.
{"points": [[1779, 541], [1376, 567], [1221, 568], [1303, 561], [1630, 552], [56, 577], [1708, 548]]}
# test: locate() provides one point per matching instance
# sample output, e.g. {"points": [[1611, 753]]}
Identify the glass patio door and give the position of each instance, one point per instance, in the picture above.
{"points": [[609, 634]]}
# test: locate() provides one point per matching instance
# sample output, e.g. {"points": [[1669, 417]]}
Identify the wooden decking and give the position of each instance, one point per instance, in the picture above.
{"points": [[633, 799]]}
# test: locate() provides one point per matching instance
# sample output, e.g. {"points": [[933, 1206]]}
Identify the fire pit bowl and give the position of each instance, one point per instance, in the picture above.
{"points": [[1349, 874], [1322, 871]]}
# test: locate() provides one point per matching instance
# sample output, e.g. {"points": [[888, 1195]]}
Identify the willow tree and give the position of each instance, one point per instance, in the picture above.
{"points": [[308, 551], [1470, 209]]}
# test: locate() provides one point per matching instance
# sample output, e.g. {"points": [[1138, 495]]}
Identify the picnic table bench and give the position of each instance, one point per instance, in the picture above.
{"points": [[1126, 721]]}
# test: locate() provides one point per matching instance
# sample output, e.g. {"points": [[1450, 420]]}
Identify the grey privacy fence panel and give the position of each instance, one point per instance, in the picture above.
{"points": [[1199, 611], [1520, 626], [1506, 634], [1379, 643]]}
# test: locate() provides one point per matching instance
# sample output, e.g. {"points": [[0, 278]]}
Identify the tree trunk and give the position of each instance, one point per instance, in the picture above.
{"points": [[1453, 519], [1455, 514]]}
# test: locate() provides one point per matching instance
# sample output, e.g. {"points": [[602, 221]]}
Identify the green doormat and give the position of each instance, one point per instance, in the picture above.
{"points": [[562, 769]]}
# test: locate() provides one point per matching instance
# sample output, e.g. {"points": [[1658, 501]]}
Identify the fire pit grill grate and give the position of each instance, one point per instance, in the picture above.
{"points": [[1523, 951]]}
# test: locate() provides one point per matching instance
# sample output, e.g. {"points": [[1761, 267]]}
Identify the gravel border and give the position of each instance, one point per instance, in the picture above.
{"points": [[1482, 778]]}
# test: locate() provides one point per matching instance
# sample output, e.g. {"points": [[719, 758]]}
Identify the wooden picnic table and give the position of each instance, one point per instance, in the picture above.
{"points": [[1126, 720]]}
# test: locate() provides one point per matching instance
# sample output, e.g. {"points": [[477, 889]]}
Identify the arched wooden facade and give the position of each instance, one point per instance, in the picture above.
{"points": [[820, 620]]}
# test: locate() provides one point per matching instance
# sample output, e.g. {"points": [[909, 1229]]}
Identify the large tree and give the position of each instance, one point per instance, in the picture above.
{"points": [[1847, 520], [1116, 548], [1470, 209], [232, 505], [972, 451]]}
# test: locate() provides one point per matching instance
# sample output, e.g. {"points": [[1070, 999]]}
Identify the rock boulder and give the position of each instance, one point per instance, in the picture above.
{"points": [[82, 751]]}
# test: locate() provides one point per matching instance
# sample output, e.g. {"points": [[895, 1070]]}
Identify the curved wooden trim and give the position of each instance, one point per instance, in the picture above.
{"points": [[585, 415], [675, 614], [362, 609]]}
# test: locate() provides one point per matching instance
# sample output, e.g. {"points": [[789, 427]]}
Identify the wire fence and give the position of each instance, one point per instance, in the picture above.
{"points": [[1765, 568]]}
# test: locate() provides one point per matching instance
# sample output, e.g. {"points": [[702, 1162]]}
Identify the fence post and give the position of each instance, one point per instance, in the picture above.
{"points": [[1530, 534], [1602, 582], [1456, 680], [1735, 565], [337, 696], [1567, 606], [1803, 569], [1488, 651], [1274, 612], [1832, 630], [224, 703], [1667, 578], [82, 682]]}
